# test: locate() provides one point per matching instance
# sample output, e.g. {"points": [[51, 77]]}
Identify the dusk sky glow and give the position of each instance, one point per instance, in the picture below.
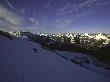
{"points": [[56, 15]]}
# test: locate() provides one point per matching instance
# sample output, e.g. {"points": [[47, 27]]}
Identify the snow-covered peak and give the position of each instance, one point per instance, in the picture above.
{"points": [[100, 36], [86, 34]]}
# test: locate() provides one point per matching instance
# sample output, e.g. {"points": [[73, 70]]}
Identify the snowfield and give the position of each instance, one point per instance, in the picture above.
{"points": [[19, 63]]}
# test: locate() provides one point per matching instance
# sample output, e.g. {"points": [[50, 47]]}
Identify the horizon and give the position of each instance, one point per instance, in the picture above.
{"points": [[61, 32]]}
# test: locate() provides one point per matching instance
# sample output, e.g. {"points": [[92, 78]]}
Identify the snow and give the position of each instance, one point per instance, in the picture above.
{"points": [[19, 63], [90, 66], [100, 36]]}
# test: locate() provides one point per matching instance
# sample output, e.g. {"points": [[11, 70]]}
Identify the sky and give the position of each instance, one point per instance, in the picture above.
{"points": [[55, 15]]}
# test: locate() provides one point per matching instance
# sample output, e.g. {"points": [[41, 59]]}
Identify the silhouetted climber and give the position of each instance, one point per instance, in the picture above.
{"points": [[22, 79], [35, 50]]}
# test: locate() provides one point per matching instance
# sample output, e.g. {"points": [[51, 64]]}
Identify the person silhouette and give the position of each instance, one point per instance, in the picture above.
{"points": [[35, 50], [22, 79]]}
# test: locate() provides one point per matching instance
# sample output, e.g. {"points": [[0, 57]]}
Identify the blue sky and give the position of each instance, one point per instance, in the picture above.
{"points": [[56, 15]]}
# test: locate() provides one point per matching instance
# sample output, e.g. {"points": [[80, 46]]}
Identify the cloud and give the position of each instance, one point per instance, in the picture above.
{"points": [[34, 21], [87, 3], [83, 14], [9, 18], [9, 4], [63, 23], [102, 3], [7, 26], [69, 13], [65, 9], [23, 10], [72, 8], [75, 11], [38, 23], [47, 5]]}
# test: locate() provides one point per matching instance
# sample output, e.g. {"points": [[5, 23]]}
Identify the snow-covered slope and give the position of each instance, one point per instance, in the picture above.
{"points": [[19, 63]]}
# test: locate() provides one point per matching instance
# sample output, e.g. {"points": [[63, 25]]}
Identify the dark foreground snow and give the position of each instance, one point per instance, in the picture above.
{"points": [[19, 63], [93, 65]]}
